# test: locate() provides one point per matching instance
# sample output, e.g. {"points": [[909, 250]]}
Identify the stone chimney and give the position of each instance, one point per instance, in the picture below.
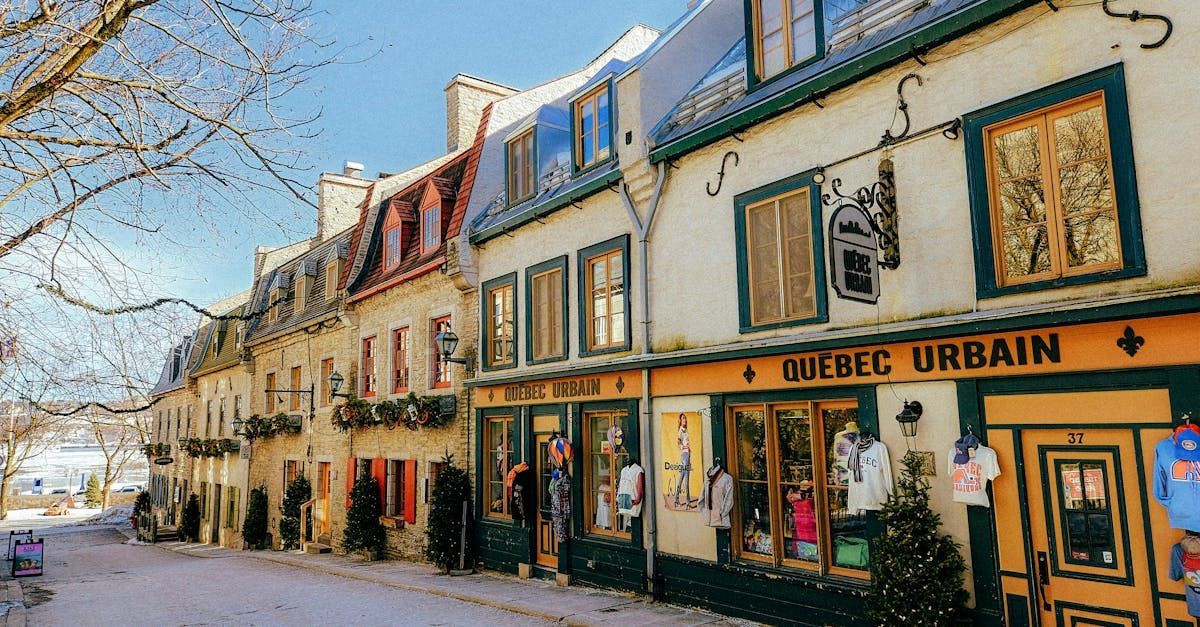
{"points": [[338, 198], [466, 96]]}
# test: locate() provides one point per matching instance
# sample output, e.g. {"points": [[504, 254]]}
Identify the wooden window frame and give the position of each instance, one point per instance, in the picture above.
{"points": [[514, 175], [301, 294], [775, 192], [393, 504], [489, 455], [431, 230], [326, 393], [220, 418], [1108, 83], [401, 351], [587, 347], [441, 374], [368, 383], [333, 271], [269, 400], [488, 317], [558, 264], [754, 73], [820, 460], [391, 249], [295, 382], [577, 141], [589, 502]]}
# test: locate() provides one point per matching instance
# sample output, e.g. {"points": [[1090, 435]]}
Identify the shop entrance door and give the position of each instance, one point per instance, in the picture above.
{"points": [[216, 517], [546, 547], [1070, 507], [324, 485]]}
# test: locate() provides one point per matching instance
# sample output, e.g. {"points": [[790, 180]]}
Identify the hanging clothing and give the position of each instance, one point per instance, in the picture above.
{"points": [[519, 482], [839, 450], [1177, 478], [560, 505], [870, 476], [971, 475], [631, 489], [716, 500], [604, 507], [1186, 566], [804, 519]]}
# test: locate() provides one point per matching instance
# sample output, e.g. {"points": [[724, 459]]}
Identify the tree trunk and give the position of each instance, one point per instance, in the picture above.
{"points": [[104, 498], [5, 482]]}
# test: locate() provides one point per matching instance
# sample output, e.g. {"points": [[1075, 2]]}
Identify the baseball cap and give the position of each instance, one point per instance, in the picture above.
{"points": [[962, 448], [1187, 444]]}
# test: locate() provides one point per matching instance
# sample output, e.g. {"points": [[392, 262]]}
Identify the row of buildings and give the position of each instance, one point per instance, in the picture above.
{"points": [[768, 228]]}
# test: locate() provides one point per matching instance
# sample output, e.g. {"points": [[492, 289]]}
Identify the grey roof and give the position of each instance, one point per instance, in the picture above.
{"points": [[722, 93], [174, 372], [497, 214], [317, 304]]}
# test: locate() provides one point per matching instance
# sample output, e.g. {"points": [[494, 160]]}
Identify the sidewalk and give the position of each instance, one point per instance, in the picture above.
{"points": [[533, 597]]}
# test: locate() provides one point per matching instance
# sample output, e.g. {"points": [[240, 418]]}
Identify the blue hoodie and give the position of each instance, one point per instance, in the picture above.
{"points": [[1177, 486]]}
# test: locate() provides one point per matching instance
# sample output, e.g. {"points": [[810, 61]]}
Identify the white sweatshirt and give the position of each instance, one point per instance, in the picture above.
{"points": [[872, 492]]}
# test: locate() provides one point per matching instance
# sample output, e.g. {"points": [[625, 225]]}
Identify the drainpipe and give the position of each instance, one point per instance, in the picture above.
{"points": [[642, 230]]}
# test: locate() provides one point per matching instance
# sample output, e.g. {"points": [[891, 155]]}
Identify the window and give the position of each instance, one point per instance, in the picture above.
{"points": [[786, 33], [593, 139], [159, 426], [207, 419], [439, 368], [333, 271], [781, 272], [238, 333], [400, 499], [520, 168], [1053, 192], [790, 465], [188, 433], [603, 290], [431, 228], [232, 514], [204, 500], [1085, 512], [367, 377], [326, 393], [178, 420], [602, 469], [400, 360], [391, 248], [237, 406], [294, 398], [276, 299], [301, 294], [499, 323], [221, 418], [269, 403], [499, 434], [545, 290]]}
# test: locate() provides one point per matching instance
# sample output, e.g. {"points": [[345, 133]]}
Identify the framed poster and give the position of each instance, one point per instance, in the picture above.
{"points": [[27, 558], [681, 449], [15, 536]]}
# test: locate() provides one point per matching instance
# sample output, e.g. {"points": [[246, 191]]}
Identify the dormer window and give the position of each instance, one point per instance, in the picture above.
{"points": [[391, 248], [332, 271], [785, 34], [301, 293], [593, 122], [238, 333], [431, 228], [520, 168], [276, 298]]}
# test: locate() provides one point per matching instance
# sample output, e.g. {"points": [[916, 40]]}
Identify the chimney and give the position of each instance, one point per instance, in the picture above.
{"points": [[338, 198], [352, 168], [466, 96]]}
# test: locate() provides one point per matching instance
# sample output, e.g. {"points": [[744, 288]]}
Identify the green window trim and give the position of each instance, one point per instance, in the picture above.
{"points": [[533, 164], [576, 170], [1110, 81], [485, 318], [619, 242], [744, 200], [753, 80], [559, 263]]}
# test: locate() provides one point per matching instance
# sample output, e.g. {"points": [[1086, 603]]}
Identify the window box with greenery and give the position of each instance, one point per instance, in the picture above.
{"points": [[520, 166], [1052, 188], [782, 36], [604, 324], [499, 318], [780, 262], [591, 128], [546, 334]]}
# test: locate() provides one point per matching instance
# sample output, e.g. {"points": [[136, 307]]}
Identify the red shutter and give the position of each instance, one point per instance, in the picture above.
{"points": [[351, 475], [379, 471], [410, 490]]}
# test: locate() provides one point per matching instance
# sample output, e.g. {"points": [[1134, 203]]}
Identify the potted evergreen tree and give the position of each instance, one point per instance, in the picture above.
{"points": [[364, 533], [189, 525], [254, 531], [298, 492], [444, 531]]}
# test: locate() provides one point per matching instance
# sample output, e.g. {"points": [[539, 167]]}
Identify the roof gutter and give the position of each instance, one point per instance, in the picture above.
{"points": [[935, 34]]}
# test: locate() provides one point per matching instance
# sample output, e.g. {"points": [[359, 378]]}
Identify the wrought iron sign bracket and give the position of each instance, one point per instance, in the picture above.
{"points": [[1136, 15], [877, 202], [901, 109]]}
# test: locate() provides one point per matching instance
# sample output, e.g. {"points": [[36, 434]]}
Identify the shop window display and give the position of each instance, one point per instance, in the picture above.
{"points": [[499, 436], [605, 459]]}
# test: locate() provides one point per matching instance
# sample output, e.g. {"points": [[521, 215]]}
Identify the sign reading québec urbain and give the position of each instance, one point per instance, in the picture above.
{"points": [[852, 255]]}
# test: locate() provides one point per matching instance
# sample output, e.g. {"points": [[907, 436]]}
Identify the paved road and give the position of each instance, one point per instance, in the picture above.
{"points": [[93, 578]]}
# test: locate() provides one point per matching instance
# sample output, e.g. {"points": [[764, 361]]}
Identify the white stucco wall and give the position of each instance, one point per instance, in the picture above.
{"points": [[680, 532]]}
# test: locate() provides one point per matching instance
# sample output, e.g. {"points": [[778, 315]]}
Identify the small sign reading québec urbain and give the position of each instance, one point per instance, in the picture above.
{"points": [[852, 255]]}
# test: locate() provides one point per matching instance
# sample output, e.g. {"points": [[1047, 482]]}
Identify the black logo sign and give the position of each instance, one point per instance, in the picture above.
{"points": [[852, 255]]}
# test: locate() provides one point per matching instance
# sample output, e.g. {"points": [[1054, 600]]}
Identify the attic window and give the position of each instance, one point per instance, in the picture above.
{"points": [[785, 35], [593, 123], [520, 168], [391, 248], [273, 305], [238, 332], [333, 270], [301, 293], [431, 228]]}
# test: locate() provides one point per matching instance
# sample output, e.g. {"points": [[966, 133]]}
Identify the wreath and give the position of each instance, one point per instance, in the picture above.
{"points": [[266, 427], [355, 413], [196, 447]]}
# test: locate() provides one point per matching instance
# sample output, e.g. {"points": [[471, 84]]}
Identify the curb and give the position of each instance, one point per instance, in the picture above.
{"points": [[15, 596], [458, 596]]}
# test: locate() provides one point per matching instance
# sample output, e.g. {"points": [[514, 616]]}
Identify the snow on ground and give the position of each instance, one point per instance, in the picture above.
{"points": [[114, 515], [93, 578], [33, 518]]}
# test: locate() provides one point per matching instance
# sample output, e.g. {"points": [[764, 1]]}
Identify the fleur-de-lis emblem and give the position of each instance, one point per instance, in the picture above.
{"points": [[749, 374], [491, 395], [620, 384], [1131, 342]]}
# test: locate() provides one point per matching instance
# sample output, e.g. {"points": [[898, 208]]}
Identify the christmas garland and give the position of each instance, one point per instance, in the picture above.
{"points": [[156, 449], [410, 412], [196, 447], [266, 427]]}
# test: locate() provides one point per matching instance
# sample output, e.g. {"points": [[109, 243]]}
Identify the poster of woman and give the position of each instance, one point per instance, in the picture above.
{"points": [[682, 457]]}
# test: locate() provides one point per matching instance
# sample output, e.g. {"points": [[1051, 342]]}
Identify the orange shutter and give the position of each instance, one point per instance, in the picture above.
{"points": [[379, 471], [351, 475], [410, 490]]}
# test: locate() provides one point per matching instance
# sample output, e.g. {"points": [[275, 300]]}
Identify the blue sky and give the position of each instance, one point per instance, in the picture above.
{"points": [[388, 111]]}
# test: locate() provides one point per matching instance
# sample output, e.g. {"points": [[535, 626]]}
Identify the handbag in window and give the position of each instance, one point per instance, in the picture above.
{"points": [[851, 552]]}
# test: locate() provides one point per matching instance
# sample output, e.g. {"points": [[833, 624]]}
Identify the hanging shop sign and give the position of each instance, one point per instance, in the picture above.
{"points": [[852, 255], [163, 461], [608, 385], [1160, 341], [27, 558]]}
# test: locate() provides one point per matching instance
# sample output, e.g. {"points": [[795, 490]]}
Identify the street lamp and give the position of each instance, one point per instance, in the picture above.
{"points": [[447, 341], [237, 425], [335, 383]]}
